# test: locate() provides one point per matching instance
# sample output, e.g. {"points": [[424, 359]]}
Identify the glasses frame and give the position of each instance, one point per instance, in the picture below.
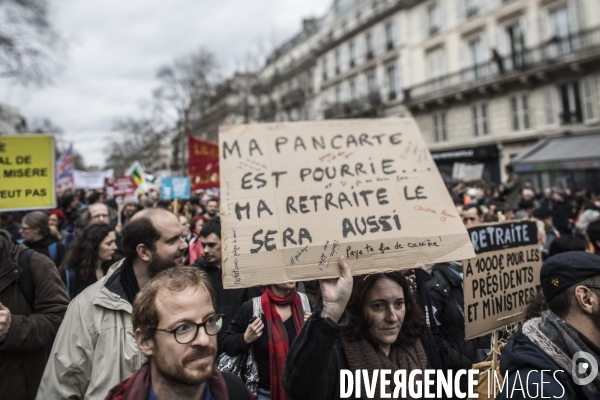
{"points": [[202, 324]]}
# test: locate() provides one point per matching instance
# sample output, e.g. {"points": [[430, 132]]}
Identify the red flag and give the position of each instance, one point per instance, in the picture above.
{"points": [[203, 164]]}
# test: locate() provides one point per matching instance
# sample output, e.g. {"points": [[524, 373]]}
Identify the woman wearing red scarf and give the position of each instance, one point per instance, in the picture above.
{"points": [[283, 317]]}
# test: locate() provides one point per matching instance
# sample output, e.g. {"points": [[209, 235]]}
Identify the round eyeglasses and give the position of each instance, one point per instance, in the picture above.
{"points": [[187, 332]]}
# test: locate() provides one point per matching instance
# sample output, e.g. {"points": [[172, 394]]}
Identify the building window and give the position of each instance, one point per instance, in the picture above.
{"points": [[572, 112], [472, 7], [561, 29], [516, 40], [325, 67], [337, 62], [392, 82], [371, 82], [520, 112], [353, 91], [439, 127], [590, 103], [435, 59], [338, 94], [550, 105], [480, 115], [476, 52], [389, 35], [435, 18], [369, 45], [352, 54]]}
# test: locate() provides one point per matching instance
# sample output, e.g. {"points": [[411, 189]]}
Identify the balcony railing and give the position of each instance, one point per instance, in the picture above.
{"points": [[355, 107], [556, 49]]}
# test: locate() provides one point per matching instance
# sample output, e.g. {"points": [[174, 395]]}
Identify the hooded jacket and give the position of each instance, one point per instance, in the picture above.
{"points": [[95, 348], [23, 352], [522, 362]]}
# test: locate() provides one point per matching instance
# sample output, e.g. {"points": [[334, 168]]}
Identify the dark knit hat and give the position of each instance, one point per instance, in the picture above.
{"points": [[564, 270]]}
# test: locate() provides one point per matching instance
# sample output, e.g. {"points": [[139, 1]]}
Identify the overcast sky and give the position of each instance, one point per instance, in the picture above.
{"points": [[117, 46]]}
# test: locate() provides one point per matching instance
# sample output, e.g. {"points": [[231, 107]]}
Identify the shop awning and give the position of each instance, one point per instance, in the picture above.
{"points": [[565, 153]]}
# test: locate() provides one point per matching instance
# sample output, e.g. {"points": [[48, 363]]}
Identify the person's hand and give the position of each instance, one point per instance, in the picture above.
{"points": [[307, 316], [254, 331], [5, 320], [336, 292]]}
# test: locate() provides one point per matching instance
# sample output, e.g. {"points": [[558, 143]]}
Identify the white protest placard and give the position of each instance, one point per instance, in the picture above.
{"points": [[297, 196], [501, 280]]}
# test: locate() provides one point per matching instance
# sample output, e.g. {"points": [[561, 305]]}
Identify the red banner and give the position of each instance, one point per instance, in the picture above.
{"points": [[203, 164], [119, 188]]}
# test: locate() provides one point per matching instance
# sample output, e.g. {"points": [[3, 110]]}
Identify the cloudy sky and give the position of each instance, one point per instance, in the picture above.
{"points": [[117, 46]]}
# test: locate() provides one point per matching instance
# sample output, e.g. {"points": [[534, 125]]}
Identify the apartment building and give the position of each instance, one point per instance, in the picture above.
{"points": [[486, 80]]}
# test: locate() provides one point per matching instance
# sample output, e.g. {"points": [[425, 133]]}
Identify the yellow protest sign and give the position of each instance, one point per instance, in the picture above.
{"points": [[297, 196], [26, 172]]}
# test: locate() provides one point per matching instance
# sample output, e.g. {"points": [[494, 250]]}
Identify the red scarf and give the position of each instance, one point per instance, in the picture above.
{"points": [[278, 339]]}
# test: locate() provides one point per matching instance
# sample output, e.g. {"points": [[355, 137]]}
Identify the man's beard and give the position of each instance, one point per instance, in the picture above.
{"points": [[159, 264], [176, 377]]}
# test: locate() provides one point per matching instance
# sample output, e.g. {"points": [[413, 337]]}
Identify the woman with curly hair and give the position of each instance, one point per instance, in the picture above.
{"points": [[371, 322], [89, 258]]}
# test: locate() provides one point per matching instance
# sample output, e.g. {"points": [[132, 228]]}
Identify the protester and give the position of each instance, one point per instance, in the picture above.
{"points": [[130, 207], [33, 302], [88, 259], [98, 214], [584, 220], [195, 249], [550, 232], [8, 223], [228, 301], [56, 220], [511, 188], [593, 236], [212, 208], [175, 326], [544, 349], [381, 328], [284, 311], [565, 244], [447, 293], [36, 235], [95, 348]]}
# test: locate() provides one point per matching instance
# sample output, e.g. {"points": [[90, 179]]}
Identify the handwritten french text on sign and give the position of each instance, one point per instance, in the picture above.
{"points": [[27, 172], [297, 196], [501, 280]]}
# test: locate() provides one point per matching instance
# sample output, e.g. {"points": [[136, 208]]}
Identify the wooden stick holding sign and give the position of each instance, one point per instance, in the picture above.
{"points": [[297, 196]]}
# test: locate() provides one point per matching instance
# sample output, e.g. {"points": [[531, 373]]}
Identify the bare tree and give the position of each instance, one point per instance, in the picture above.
{"points": [[31, 50], [46, 126], [184, 93], [139, 140]]}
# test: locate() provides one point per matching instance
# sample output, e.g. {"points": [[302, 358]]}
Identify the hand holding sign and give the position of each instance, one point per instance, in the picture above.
{"points": [[336, 292]]}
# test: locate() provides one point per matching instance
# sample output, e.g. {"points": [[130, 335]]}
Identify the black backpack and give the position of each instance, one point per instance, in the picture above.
{"points": [[235, 386]]}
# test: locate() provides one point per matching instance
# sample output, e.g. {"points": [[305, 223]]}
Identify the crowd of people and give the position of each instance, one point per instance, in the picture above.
{"points": [[126, 301]]}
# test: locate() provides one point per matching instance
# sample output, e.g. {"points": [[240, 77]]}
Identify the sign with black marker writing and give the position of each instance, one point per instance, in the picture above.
{"points": [[501, 280], [297, 196]]}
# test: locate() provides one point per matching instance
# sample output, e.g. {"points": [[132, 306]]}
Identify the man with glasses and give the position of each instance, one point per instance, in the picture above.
{"points": [[556, 355], [95, 346], [175, 326]]}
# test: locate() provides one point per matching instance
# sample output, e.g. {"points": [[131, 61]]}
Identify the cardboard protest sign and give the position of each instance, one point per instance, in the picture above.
{"points": [[175, 188], [501, 280], [119, 188], [27, 172], [297, 196]]}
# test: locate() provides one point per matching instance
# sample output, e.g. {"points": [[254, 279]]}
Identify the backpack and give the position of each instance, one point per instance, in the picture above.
{"points": [[21, 256], [70, 275], [235, 386]]}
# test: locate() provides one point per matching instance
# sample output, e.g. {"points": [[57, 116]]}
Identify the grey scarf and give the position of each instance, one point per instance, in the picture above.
{"points": [[560, 341]]}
